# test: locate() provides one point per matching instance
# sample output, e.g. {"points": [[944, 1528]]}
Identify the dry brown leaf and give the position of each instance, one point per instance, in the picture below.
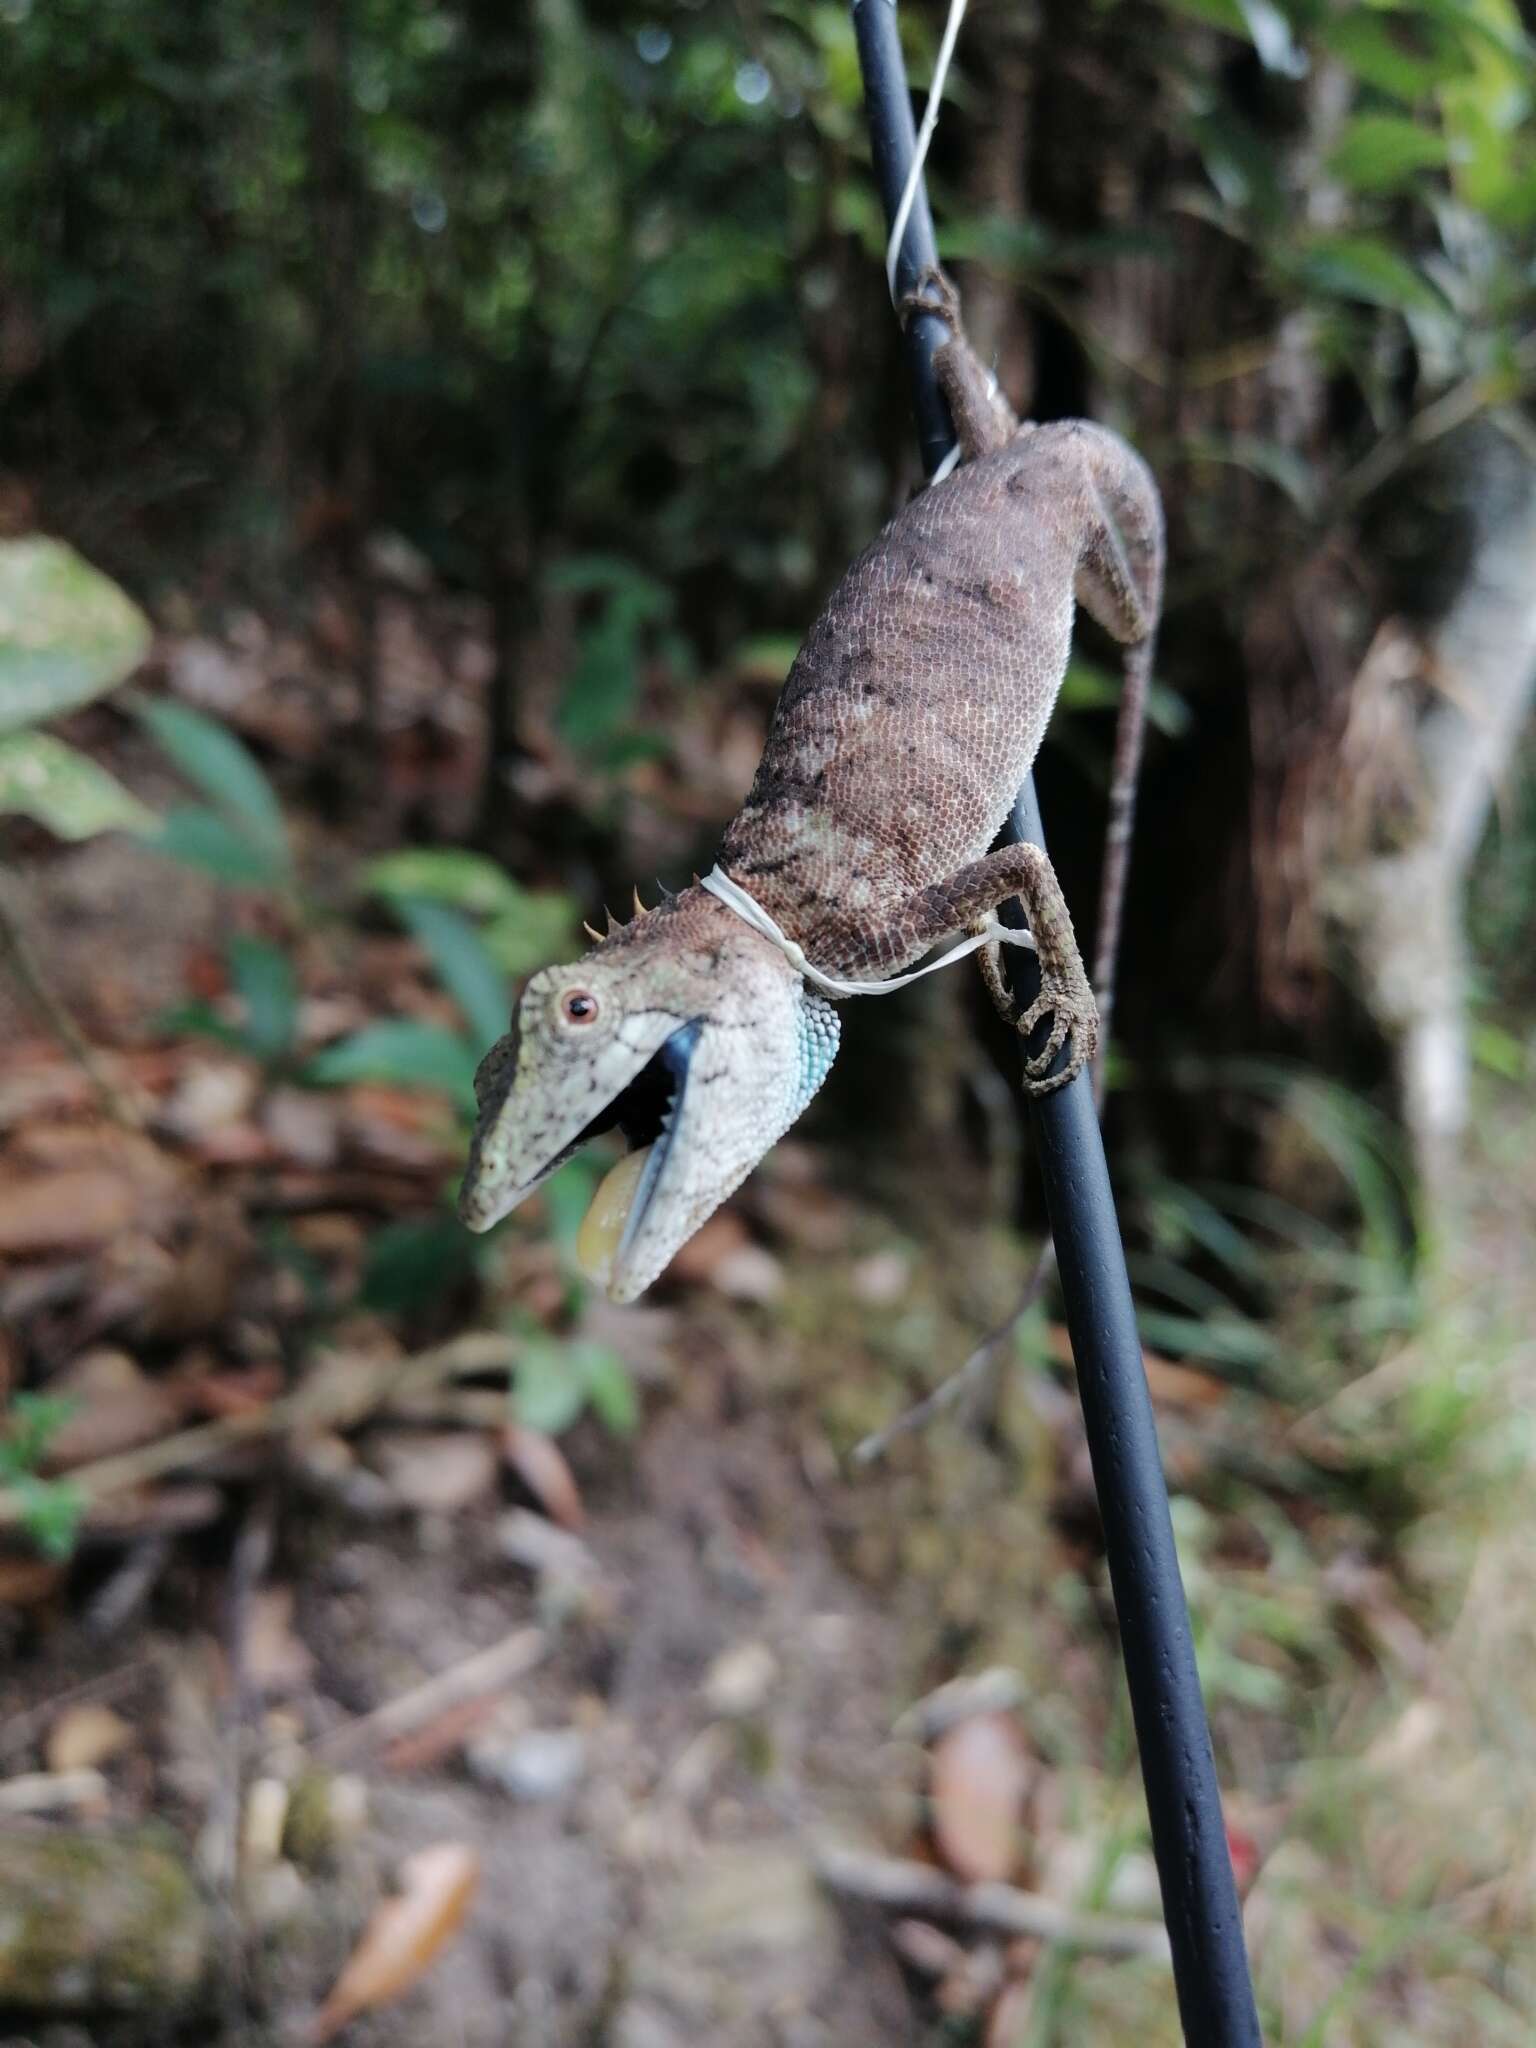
{"points": [[302, 1125], [979, 1778], [437, 1472], [85, 1736], [443, 1736], [1171, 1384], [28, 1581], [210, 1096], [49, 1212], [120, 1517], [540, 1464], [926, 1948], [695, 1261], [116, 1408], [196, 1291], [405, 1935], [1008, 2026], [235, 1392]]}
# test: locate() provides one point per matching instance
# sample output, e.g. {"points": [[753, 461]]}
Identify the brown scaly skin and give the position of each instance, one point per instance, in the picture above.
{"points": [[912, 715]]}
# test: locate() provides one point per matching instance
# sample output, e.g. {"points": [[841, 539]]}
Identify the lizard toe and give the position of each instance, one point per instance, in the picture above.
{"points": [[932, 293]]}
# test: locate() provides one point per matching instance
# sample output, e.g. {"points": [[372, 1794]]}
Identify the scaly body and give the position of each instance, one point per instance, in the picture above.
{"points": [[912, 714]]}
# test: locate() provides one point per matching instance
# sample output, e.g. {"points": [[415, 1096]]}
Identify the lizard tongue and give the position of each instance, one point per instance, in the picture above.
{"points": [[597, 1241]]}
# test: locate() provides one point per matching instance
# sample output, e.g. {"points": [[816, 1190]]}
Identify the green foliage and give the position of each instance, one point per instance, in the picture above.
{"points": [[403, 1050], [1384, 152], [264, 980], [412, 1264], [522, 929], [67, 633], [464, 964], [50, 1508], [242, 838], [43, 778], [601, 695], [557, 1381]]}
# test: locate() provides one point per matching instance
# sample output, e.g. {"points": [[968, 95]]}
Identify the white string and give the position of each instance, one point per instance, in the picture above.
{"points": [[746, 907], [924, 137]]}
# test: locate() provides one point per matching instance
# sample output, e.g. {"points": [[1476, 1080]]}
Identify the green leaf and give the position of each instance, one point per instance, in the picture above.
{"points": [[51, 1510], [1270, 34], [410, 1265], [1087, 687], [67, 633], [1405, 56], [765, 659], [264, 980], [548, 1392], [1261, 22], [1271, 460], [1356, 267], [447, 874], [602, 692], [539, 930], [65, 790], [199, 1020], [464, 965], [1500, 1051], [224, 769], [527, 928], [399, 1049], [610, 1389], [1382, 152], [202, 839], [31, 1424]]}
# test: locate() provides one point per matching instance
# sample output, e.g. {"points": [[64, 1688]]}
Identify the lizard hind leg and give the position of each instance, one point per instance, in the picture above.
{"points": [[1065, 1000]]}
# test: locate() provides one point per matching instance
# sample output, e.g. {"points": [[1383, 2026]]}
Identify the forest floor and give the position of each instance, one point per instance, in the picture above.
{"points": [[646, 1689]]}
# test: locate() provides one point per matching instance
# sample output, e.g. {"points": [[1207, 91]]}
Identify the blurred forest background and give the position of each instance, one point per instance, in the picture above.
{"points": [[425, 432]]}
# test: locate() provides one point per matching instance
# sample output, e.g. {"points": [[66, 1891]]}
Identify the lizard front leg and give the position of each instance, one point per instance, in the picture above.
{"points": [[984, 420], [962, 902]]}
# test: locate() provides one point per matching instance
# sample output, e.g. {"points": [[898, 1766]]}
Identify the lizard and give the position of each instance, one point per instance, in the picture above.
{"points": [[908, 721]]}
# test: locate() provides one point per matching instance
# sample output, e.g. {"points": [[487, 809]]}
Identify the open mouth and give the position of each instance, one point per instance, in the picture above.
{"points": [[646, 1113]]}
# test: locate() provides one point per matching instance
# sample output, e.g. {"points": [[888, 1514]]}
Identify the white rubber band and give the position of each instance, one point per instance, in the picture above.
{"points": [[924, 137], [751, 912]]}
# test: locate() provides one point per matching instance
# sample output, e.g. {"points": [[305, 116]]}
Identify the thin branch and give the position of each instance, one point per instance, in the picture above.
{"points": [[319, 1403], [34, 984], [898, 1886], [485, 1671]]}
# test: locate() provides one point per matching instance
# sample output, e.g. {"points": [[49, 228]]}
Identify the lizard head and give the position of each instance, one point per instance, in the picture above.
{"points": [[686, 1032]]}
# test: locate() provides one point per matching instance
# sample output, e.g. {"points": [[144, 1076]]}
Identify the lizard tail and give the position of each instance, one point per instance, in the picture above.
{"points": [[1130, 729]]}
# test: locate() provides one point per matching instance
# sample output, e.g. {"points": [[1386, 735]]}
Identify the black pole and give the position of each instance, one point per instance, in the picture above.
{"points": [[1200, 1905]]}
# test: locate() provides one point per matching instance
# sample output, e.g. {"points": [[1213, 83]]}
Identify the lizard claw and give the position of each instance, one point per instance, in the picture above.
{"points": [[1073, 1014], [932, 293]]}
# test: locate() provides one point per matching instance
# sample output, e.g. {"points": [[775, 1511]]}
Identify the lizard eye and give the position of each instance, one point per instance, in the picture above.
{"points": [[578, 1007]]}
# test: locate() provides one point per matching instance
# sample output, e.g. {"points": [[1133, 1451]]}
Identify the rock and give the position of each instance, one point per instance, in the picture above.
{"points": [[266, 1813], [86, 1736], [324, 1815], [739, 1681], [99, 1922], [438, 1472], [544, 1764]]}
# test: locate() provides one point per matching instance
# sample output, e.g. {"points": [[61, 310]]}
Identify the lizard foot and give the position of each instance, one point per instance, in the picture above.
{"points": [[1073, 1014], [1068, 1001], [932, 293]]}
